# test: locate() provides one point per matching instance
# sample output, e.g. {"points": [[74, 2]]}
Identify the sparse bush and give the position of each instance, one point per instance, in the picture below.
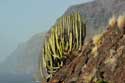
{"points": [[112, 22], [97, 39], [121, 22]]}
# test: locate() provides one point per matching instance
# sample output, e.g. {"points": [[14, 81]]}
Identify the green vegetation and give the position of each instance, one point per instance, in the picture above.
{"points": [[67, 35]]}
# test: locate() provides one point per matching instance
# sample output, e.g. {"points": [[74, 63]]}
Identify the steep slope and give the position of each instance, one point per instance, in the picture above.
{"points": [[101, 59], [97, 13], [24, 60]]}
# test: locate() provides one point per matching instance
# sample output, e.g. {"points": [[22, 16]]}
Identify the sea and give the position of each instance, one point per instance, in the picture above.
{"points": [[16, 79]]}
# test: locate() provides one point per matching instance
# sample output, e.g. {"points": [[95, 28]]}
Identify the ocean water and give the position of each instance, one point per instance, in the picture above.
{"points": [[16, 79], [18, 82]]}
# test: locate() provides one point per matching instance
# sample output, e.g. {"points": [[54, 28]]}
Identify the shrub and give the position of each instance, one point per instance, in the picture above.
{"points": [[121, 22]]}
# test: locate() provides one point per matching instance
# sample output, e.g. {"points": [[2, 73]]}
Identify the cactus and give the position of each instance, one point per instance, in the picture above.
{"points": [[67, 34]]}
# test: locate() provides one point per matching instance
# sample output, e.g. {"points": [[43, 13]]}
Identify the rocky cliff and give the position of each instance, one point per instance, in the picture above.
{"points": [[102, 59], [97, 13]]}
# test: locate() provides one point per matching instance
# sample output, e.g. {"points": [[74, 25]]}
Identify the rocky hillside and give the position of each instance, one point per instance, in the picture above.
{"points": [[97, 13], [102, 59]]}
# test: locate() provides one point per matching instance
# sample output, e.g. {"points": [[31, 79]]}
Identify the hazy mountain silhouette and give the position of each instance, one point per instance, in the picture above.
{"points": [[24, 60]]}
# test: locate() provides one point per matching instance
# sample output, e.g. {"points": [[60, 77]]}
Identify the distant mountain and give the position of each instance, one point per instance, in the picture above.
{"points": [[97, 13], [24, 60]]}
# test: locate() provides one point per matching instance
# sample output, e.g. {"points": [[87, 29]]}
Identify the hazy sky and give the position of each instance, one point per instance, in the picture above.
{"points": [[20, 19]]}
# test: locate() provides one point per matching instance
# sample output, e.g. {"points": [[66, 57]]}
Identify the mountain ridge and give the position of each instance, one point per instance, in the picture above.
{"points": [[25, 58], [96, 14]]}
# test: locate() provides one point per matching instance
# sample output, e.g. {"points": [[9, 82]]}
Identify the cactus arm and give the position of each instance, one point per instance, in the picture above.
{"points": [[80, 31], [74, 34], [70, 39], [77, 37], [57, 42]]}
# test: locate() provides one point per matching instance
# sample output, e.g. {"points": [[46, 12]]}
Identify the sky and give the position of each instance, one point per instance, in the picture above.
{"points": [[21, 19]]}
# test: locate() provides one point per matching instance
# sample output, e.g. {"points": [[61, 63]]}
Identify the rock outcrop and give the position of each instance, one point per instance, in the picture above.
{"points": [[102, 57], [97, 13], [102, 60]]}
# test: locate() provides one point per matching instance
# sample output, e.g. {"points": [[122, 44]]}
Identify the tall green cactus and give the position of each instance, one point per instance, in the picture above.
{"points": [[66, 35]]}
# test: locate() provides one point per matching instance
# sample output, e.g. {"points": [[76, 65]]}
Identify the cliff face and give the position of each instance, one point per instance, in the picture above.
{"points": [[97, 13], [105, 63], [101, 58]]}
